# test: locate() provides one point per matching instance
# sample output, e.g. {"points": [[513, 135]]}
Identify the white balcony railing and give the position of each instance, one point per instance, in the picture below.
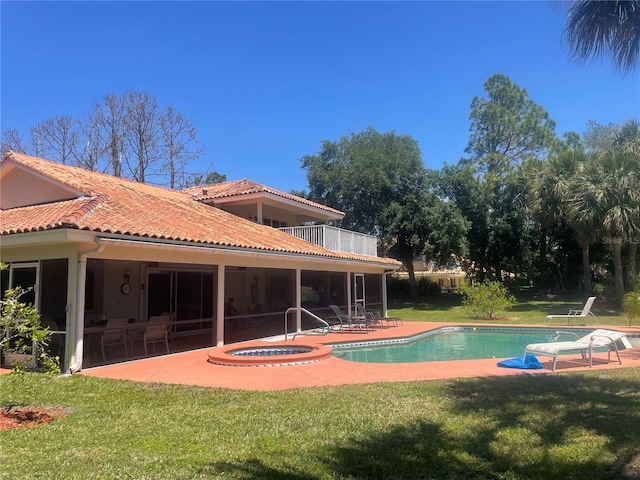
{"points": [[336, 239]]}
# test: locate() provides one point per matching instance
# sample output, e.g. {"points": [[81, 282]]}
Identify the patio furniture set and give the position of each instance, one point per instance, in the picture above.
{"points": [[121, 332], [363, 320], [596, 341]]}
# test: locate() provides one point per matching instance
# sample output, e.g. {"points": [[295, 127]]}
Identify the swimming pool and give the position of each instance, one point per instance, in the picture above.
{"points": [[450, 343]]}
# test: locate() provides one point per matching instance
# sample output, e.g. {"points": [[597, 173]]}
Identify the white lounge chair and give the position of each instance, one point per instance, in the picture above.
{"points": [[575, 314], [597, 339]]}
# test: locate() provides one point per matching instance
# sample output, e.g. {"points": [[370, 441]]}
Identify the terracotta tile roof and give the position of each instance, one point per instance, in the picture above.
{"points": [[118, 206], [245, 187]]}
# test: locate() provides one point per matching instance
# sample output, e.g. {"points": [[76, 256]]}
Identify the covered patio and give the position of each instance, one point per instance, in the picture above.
{"points": [[104, 258]]}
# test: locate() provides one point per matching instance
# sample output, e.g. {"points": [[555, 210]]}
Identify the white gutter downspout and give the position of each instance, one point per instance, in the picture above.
{"points": [[75, 362]]}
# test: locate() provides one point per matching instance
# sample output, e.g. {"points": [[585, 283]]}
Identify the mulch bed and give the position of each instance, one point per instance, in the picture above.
{"points": [[21, 416]]}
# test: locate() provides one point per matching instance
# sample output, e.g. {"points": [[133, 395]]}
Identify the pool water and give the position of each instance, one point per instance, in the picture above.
{"points": [[451, 343], [270, 351]]}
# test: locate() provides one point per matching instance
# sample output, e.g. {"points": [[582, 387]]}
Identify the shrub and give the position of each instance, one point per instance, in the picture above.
{"points": [[485, 299], [427, 288], [398, 288], [22, 333], [631, 303]]}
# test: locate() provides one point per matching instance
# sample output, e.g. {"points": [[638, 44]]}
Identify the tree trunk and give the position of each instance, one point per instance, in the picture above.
{"points": [[633, 260], [586, 268], [497, 267], [542, 252], [413, 284], [114, 154], [619, 276]]}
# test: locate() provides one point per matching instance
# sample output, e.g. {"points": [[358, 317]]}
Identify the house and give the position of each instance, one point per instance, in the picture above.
{"points": [[264, 205], [94, 247], [267, 206], [448, 279]]}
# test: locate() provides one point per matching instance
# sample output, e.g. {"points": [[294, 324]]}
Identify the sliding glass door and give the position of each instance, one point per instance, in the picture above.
{"points": [[160, 293], [190, 295]]}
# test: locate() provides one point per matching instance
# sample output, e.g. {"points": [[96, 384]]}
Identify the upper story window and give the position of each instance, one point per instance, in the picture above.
{"points": [[273, 223]]}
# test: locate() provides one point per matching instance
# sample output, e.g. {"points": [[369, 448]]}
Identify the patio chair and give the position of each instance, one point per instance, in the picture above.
{"points": [[56, 341], [575, 314], [376, 317], [363, 319], [156, 333], [137, 329], [338, 318], [370, 317], [597, 339], [164, 318], [114, 334], [346, 321], [171, 316]]}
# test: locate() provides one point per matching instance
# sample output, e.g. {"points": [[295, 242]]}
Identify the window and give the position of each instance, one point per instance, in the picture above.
{"points": [[273, 223]]}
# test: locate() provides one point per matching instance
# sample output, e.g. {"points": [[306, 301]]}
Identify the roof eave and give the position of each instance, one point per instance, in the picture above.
{"points": [[74, 235]]}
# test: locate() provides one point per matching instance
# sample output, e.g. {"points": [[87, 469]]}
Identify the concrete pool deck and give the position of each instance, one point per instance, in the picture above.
{"points": [[192, 368]]}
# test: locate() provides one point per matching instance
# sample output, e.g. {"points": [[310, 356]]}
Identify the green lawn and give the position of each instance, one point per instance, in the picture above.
{"points": [[564, 426], [560, 426], [528, 310]]}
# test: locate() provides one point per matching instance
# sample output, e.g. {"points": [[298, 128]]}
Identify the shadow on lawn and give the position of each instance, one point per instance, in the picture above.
{"points": [[524, 427], [553, 426]]}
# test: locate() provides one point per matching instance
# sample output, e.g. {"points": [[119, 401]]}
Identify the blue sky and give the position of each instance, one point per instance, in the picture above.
{"points": [[265, 82]]}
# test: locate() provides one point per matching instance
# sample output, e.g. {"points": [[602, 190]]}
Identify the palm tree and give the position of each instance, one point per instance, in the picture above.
{"points": [[595, 28], [606, 196], [581, 212], [551, 187], [627, 140], [621, 206]]}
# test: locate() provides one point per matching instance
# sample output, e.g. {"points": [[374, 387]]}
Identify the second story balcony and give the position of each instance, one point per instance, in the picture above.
{"points": [[336, 239]]}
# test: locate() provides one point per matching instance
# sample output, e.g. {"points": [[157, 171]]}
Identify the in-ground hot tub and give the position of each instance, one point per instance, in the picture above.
{"points": [[268, 355]]}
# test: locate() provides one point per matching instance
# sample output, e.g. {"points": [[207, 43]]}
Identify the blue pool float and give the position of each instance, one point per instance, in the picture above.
{"points": [[528, 362]]}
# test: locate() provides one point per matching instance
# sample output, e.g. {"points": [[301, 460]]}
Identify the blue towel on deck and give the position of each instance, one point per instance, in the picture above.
{"points": [[529, 362]]}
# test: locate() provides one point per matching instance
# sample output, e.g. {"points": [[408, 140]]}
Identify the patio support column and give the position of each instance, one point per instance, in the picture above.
{"points": [[259, 212], [77, 352], [74, 321], [349, 292], [298, 300], [384, 294], [220, 307]]}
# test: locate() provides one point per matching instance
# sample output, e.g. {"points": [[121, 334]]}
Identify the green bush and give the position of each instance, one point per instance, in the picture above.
{"points": [[631, 303], [427, 288], [484, 300], [398, 288], [22, 333]]}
